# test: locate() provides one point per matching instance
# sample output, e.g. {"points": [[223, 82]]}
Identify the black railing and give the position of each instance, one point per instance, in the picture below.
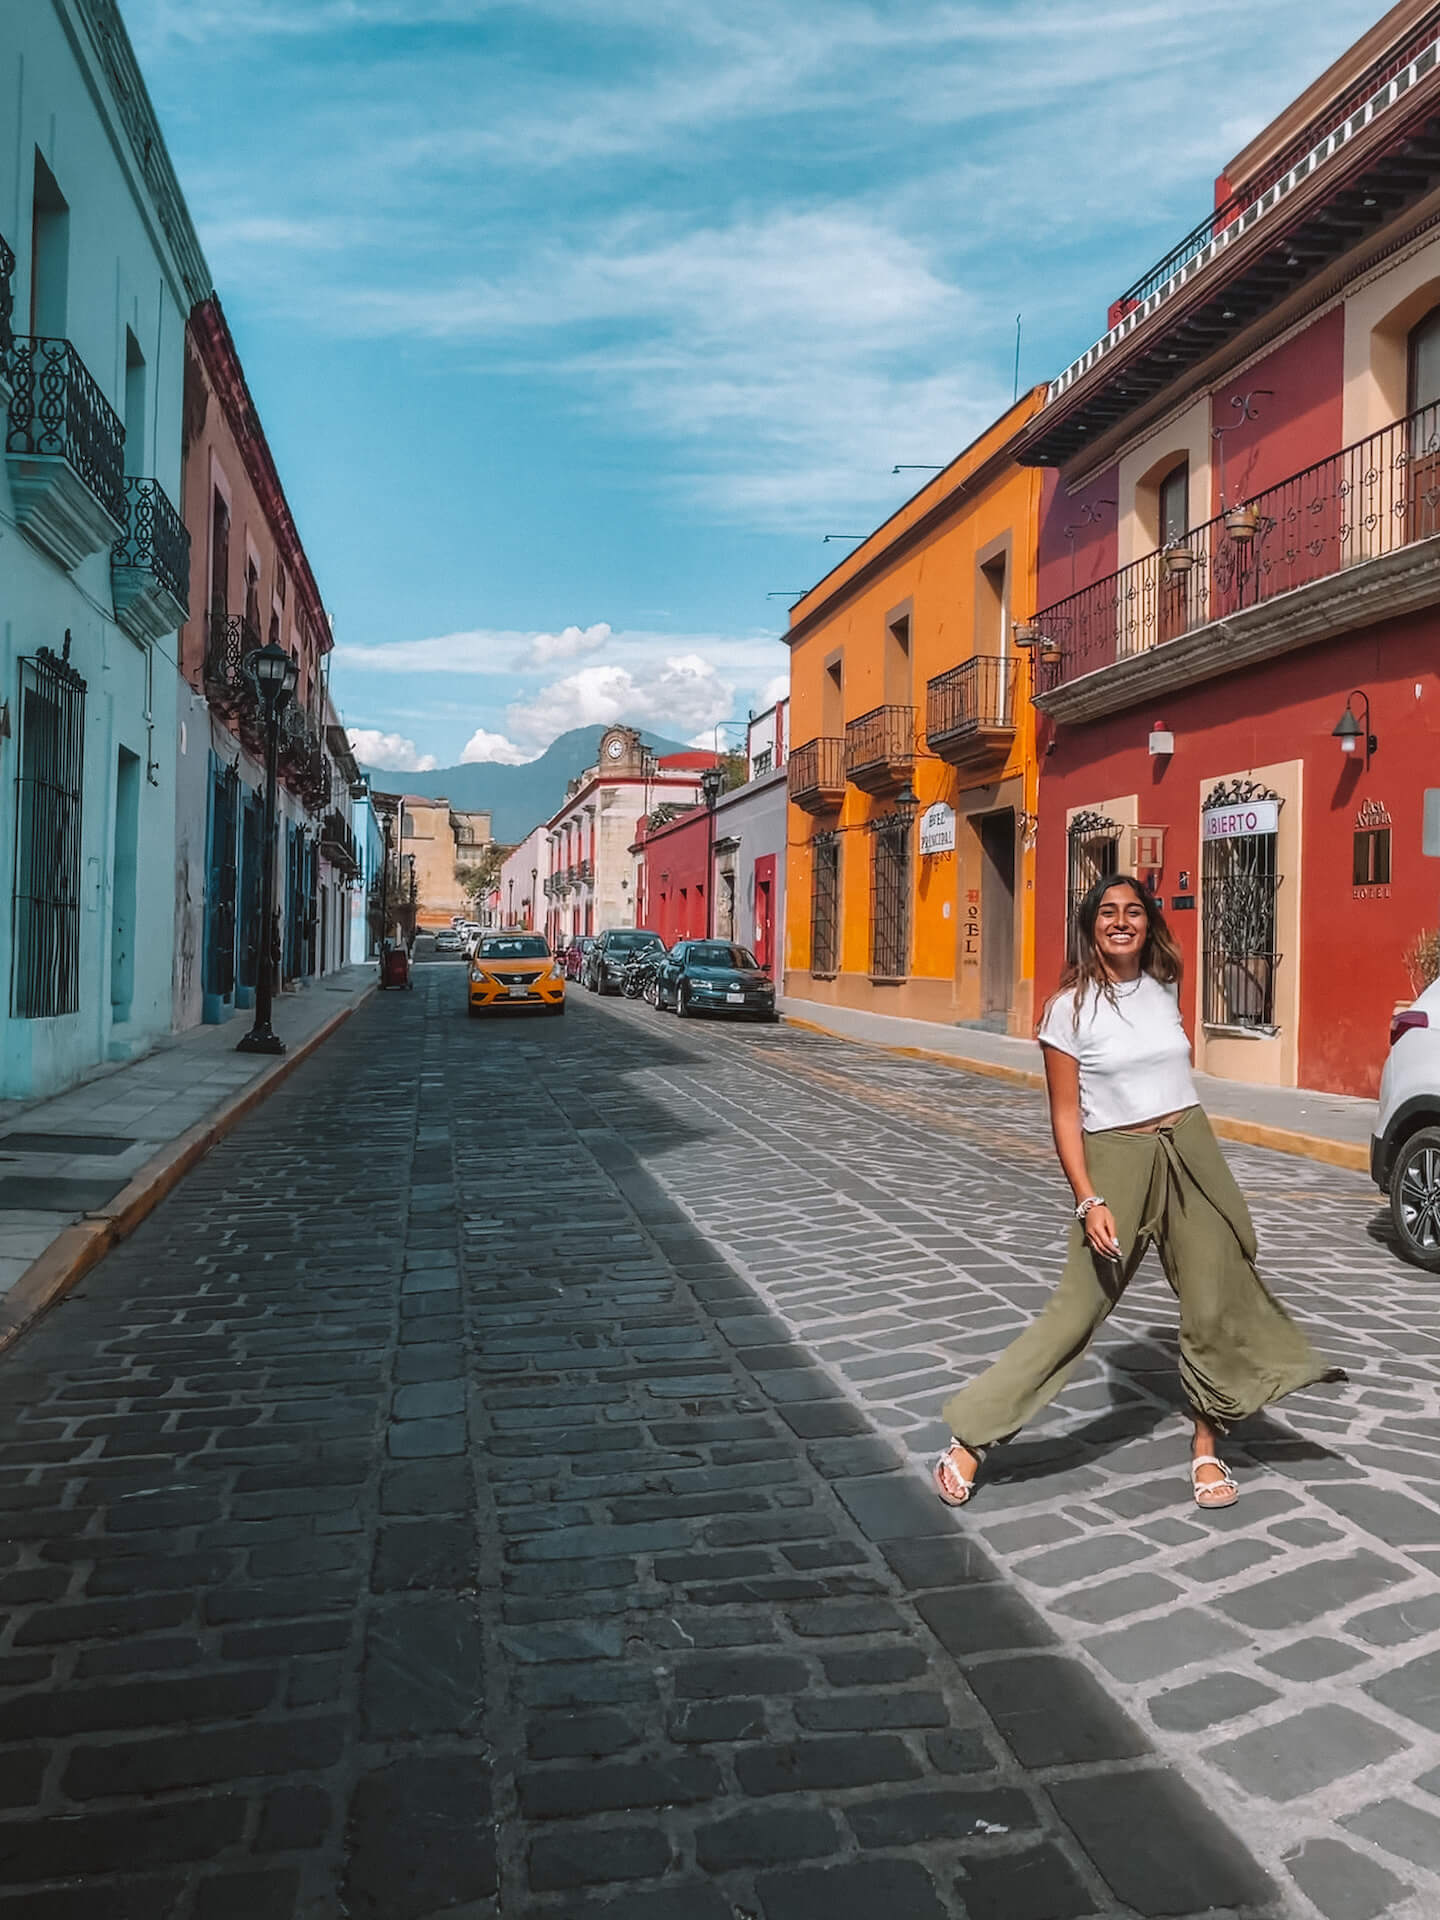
{"points": [[1366, 501], [56, 409], [818, 767], [976, 697], [884, 737], [339, 845], [230, 643], [45, 977], [7, 301], [825, 903], [155, 538]]}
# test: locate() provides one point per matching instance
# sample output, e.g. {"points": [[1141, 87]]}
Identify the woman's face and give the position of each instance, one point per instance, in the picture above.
{"points": [[1120, 929]]}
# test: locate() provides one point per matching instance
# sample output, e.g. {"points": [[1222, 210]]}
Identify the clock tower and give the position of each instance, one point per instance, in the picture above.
{"points": [[621, 751]]}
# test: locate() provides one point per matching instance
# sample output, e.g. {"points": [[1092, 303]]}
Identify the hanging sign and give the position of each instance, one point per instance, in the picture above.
{"points": [[937, 829], [1233, 823]]}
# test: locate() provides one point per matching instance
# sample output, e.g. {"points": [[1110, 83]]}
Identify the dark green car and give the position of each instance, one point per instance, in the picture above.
{"points": [[714, 976]]}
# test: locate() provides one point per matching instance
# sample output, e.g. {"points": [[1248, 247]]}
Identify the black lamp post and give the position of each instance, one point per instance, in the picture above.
{"points": [[275, 675], [712, 785], [384, 893]]}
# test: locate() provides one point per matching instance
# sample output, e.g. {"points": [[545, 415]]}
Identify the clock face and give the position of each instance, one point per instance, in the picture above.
{"points": [[615, 746]]}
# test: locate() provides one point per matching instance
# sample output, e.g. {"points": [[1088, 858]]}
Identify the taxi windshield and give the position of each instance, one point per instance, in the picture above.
{"points": [[515, 946]]}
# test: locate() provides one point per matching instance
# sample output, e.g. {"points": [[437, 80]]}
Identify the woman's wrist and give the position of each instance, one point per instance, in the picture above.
{"points": [[1086, 1206]]}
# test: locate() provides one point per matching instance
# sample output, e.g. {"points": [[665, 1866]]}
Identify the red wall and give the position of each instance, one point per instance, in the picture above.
{"points": [[676, 875], [1096, 539], [1352, 971], [1299, 421]]}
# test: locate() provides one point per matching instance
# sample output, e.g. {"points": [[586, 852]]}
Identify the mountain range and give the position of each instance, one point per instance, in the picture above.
{"points": [[517, 798]]}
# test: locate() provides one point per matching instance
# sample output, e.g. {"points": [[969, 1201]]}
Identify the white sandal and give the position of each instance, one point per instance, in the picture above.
{"points": [[945, 1470], [1222, 1493]]}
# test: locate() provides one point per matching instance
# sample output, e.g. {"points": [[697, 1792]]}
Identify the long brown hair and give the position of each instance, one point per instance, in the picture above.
{"points": [[1159, 957]]}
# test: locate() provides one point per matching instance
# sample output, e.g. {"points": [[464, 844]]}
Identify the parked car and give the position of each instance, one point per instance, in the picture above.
{"points": [[516, 971], [449, 941], [604, 965], [714, 976], [1405, 1146], [638, 980], [572, 956]]}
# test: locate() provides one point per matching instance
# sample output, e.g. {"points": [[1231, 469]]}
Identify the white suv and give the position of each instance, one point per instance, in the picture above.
{"points": [[1405, 1147]]}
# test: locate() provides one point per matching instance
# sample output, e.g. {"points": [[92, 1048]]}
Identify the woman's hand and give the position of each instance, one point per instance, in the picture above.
{"points": [[1100, 1232]]}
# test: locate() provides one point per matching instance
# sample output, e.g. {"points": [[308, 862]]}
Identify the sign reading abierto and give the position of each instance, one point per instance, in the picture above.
{"points": [[1233, 823], [937, 829]]}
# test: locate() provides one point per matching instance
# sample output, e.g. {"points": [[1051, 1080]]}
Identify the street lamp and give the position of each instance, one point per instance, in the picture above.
{"points": [[275, 675], [712, 785]]}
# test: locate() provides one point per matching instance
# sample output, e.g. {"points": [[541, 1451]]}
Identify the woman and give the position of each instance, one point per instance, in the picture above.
{"points": [[1145, 1170]]}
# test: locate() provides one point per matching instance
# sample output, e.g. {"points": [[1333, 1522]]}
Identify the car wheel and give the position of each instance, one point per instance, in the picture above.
{"points": [[652, 993], [1415, 1199], [682, 1003]]}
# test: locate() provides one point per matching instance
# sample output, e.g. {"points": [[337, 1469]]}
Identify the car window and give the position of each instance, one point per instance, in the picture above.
{"points": [[629, 938], [515, 946], [718, 953]]}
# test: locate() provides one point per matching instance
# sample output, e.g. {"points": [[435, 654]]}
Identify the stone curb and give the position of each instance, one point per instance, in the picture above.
{"points": [[82, 1245], [1250, 1133]]}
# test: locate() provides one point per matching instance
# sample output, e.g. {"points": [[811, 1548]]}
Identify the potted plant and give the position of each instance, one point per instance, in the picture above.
{"points": [[1242, 523], [1177, 561]]}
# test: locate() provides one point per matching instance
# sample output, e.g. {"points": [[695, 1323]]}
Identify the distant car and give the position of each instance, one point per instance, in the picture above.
{"points": [[714, 976], [603, 969], [449, 941], [572, 956], [515, 970], [1405, 1144]]}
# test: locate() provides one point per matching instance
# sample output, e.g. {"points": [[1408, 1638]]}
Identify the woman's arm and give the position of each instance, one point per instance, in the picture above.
{"points": [[1062, 1081]]}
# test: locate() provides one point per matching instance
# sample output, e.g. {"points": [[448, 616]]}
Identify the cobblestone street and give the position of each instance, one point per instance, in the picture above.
{"points": [[489, 1486]]}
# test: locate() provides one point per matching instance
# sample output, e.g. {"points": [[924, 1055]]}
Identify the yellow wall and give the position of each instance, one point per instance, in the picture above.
{"points": [[937, 574]]}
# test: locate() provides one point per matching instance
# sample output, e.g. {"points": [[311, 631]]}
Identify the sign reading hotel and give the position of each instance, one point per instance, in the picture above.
{"points": [[937, 829], [1234, 823]]}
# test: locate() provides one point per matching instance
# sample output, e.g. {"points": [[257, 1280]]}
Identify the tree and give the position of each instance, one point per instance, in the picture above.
{"points": [[477, 879]]}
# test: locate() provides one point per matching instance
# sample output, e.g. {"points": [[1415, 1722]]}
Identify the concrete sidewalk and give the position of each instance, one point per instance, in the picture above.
{"points": [[79, 1171], [1320, 1126]]}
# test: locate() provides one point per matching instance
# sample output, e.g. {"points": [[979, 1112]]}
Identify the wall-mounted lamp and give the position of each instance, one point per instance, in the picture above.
{"points": [[1162, 741], [911, 466], [907, 803], [843, 536], [1352, 729]]}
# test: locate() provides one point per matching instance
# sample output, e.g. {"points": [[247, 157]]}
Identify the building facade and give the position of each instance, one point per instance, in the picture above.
{"points": [[519, 898], [587, 877], [99, 266], [911, 772], [250, 583], [442, 843], [751, 829], [1238, 583]]}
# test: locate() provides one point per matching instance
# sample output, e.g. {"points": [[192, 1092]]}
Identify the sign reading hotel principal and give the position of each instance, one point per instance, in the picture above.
{"points": [[937, 829]]}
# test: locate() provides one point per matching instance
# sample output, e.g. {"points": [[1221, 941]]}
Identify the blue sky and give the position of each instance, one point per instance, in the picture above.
{"points": [[575, 325]]}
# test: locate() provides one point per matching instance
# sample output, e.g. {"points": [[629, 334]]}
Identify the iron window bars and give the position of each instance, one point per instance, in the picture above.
{"points": [[890, 899], [45, 969], [220, 930], [825, 903], [155, 538], [1093, 851], [56, 409], [7, 301], [1240, 886], [1370, 499]]}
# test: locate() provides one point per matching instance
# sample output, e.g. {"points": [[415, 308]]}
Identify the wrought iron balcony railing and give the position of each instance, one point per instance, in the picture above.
{"points": [[7, 303], [1370, 499], [339, 845], [880, 748], [230, 643], [816, 774], [970, 711], [585, 873], [57, 410], [155, 539]]}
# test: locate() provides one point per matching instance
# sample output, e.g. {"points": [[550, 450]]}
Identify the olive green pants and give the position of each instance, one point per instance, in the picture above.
{"points": [[1171, 1189]]}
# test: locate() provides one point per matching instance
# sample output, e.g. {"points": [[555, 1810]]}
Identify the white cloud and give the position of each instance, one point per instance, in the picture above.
{"points": [[546, 647], [494, 747], [773, 690], [390, 751], [685, 694]]}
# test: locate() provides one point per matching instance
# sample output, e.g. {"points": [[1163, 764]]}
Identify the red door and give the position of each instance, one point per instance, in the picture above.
{"points": [[765, 911]]}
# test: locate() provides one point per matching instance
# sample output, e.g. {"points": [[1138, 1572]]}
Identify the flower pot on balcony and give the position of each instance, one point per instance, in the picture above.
{"points": [[1177, 562], [1050, 653], [1242, 524], [1027, 635]]}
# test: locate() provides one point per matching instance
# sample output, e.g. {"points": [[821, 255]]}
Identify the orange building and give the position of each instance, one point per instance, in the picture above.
{"points": [[912, 780]]}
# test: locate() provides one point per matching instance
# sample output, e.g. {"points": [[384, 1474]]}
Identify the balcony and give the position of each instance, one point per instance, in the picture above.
{"points": [[7, 317], [970, 713], [150, 564], [817, 774], [880, 749], [64, 449], [339, 845], [231, 641], [585, 873], [1342, 544]]}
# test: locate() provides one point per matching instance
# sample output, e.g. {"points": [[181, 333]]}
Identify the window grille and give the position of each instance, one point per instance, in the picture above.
{"points": [[890, 901], [45, 975], [220, 901], [764, 761], [825, 903], [1240, 885], [1094, 842]]}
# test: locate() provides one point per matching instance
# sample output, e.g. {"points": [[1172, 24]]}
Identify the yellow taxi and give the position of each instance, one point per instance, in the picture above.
{"points": [[515, 970]]}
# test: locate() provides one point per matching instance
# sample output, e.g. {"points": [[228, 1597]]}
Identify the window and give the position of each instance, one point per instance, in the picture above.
{"points": [[824, 903], [832, 698], [890, 901], [762, 763], [407, 826], [134, 406], [49, 256], [990, 608], [1174, 504], [45, 977], [1372, 857], [219, 554], [1425, 362], [1094, 848], [1240, 885], [898, 684]]}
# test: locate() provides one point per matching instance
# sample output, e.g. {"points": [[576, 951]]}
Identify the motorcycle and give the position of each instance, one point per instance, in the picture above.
{"points": [[640, 980]]}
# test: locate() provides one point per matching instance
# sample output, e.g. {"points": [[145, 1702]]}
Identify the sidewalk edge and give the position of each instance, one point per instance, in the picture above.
{"points": [[1348, 1154], [83, 1244]]}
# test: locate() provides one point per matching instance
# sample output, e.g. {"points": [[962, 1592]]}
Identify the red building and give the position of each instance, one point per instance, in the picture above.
{"points": [[672, 875], [1235, 650]]}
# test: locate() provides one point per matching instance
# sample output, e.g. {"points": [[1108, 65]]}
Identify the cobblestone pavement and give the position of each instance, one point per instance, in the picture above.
{"points": [[482, 1489], [901, 1220]]}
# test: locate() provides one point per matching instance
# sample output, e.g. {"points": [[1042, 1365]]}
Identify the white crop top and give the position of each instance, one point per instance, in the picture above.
{"points": [[1134, 1055]]}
